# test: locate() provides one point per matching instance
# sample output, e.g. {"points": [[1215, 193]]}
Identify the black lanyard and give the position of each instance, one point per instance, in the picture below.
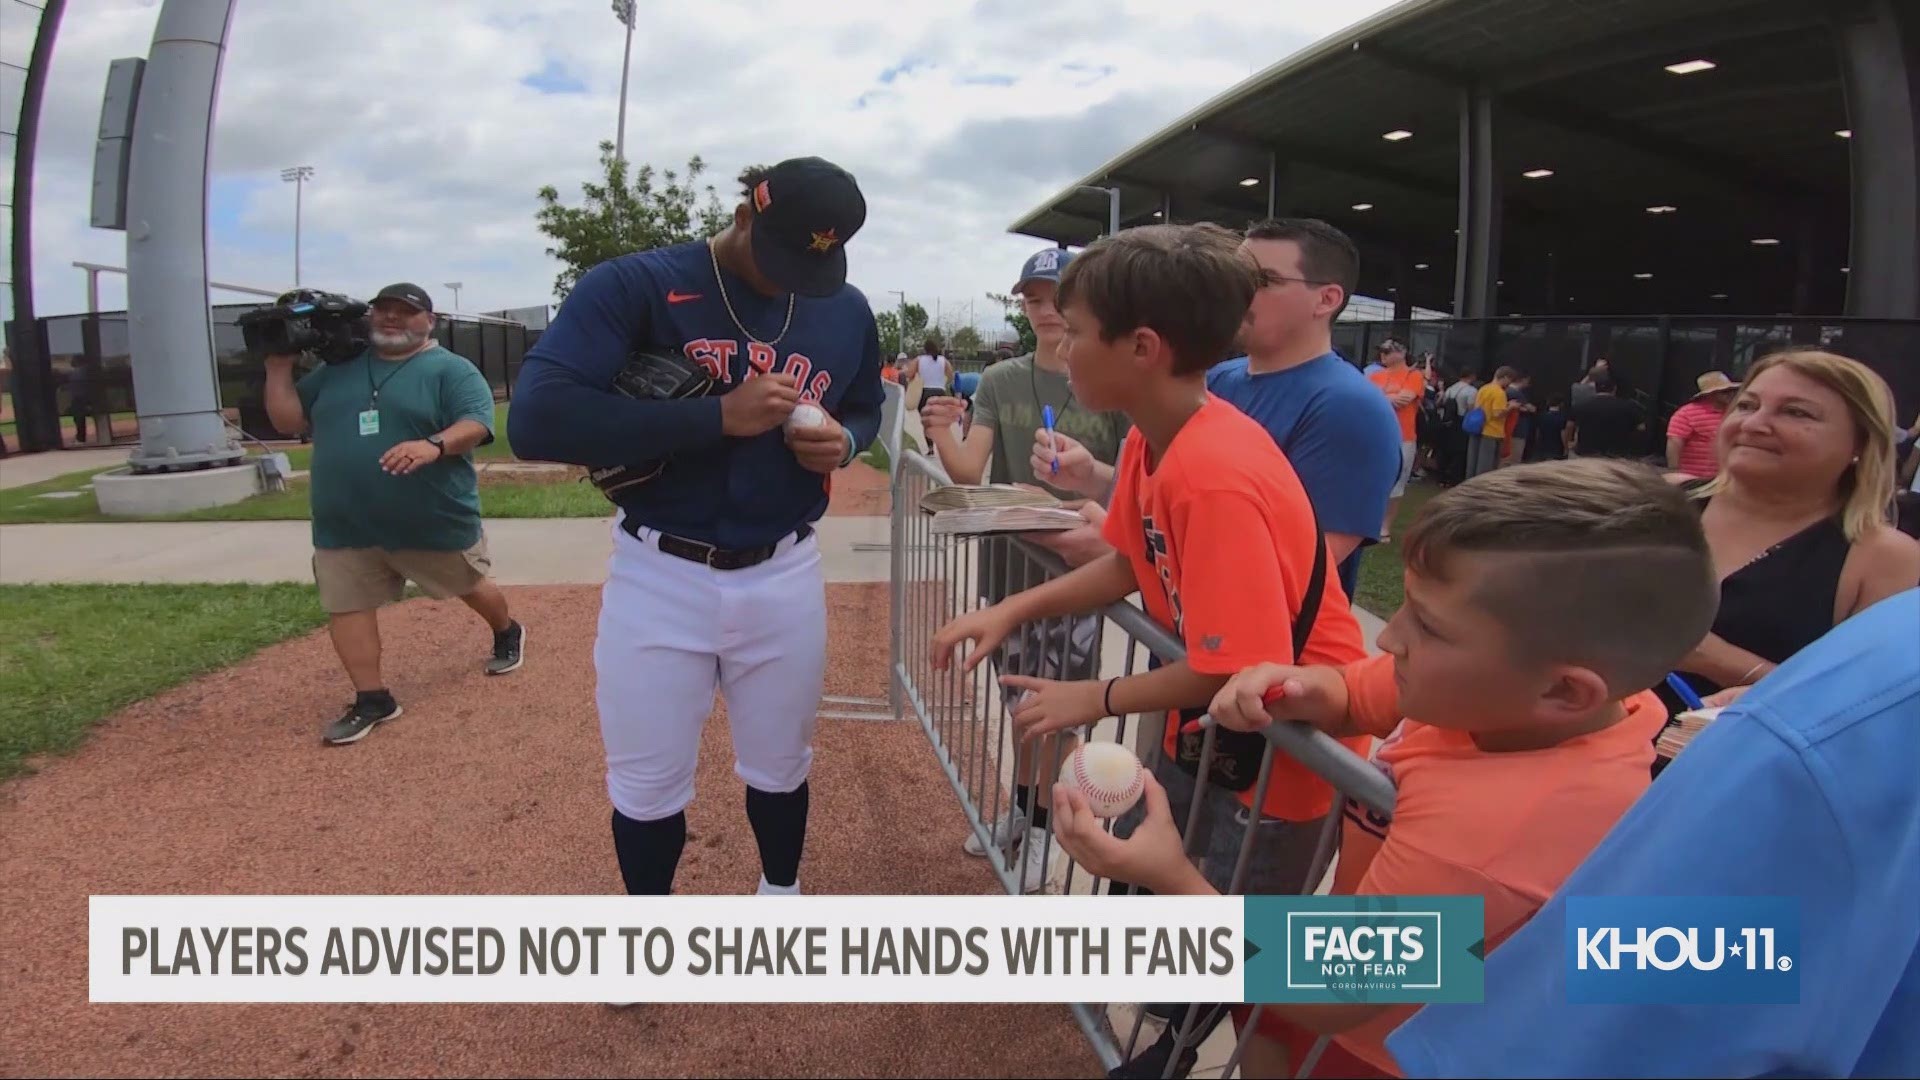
{"points": [[373, 401], [1033, 384]]}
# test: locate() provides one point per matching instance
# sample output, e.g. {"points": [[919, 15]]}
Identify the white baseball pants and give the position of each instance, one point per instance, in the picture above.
{"points": [[673, 631]]}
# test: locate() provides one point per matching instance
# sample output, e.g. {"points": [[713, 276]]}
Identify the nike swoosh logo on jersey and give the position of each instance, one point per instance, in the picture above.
{"points": [[676, 297]]}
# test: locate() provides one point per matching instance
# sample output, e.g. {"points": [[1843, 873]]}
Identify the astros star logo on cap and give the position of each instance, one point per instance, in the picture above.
{"points": [[824, 241]]}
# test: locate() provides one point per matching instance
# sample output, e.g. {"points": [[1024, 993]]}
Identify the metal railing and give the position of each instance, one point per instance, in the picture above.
{"points": [[967, 718]]}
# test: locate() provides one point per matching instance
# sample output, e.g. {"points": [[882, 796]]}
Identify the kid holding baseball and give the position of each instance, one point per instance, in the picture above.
{"points": [[1207, 521], [1540, 602]]}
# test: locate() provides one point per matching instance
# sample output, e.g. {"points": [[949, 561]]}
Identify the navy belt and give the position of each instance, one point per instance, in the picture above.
{"points": [[707, 554]]}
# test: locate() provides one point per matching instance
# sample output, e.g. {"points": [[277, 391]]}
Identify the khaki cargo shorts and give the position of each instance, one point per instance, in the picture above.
{"points": [[362, 579]]}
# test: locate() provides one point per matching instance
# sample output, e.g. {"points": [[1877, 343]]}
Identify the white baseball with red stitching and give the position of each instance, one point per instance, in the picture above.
{"points": [[805, 416], [1108, 774]]}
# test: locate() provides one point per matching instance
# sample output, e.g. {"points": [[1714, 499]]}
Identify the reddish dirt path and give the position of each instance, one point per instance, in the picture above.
{"points": [[858, 490], [484, 786]]}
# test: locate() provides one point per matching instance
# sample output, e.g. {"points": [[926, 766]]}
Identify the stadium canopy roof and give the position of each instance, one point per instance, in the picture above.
{"points": [[1747, 157]]}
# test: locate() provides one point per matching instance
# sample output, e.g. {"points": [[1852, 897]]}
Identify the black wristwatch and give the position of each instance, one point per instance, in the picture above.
{"points": [[438, 445]]}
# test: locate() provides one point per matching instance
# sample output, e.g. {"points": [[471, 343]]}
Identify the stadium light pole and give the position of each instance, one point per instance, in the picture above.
{"points": [[298, 177], [624, 11], [455, 286]]}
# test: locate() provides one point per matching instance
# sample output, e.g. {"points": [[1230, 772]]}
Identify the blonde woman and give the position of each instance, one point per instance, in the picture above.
{"points": [[1798, 517]]}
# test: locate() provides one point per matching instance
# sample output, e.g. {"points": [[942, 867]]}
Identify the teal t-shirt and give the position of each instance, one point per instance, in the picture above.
{"points": [[358, 504]]}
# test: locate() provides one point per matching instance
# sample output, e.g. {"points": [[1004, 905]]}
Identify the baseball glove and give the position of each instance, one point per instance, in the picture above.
{"points": [[650, 376]]}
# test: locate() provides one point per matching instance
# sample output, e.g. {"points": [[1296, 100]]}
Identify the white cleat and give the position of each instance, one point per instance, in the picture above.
{"points": [[1032, 863], [1003, 831], [767, 889]]}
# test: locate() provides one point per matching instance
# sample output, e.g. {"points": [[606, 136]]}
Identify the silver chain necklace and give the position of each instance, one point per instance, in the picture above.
{"points": [[720, 281]]}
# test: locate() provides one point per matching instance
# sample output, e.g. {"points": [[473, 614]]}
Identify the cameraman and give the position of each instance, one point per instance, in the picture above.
{"points": [[394, 494]]}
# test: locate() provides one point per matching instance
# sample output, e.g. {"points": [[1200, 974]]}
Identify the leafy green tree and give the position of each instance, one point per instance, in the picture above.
{"points": [[1017, 318], [891, 340], [627, 210]]}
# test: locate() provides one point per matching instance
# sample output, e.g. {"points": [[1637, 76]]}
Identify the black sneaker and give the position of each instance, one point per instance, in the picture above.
{"points": [[509, 649], [361, 717], [1152, 1062]]}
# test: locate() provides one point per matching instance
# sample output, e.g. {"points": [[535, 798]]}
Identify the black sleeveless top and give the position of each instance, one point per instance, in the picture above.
{"points": [[1780, 602]]}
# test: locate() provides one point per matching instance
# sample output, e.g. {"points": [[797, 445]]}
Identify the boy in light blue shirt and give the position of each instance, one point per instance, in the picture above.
{"points": [[1805, 788]]}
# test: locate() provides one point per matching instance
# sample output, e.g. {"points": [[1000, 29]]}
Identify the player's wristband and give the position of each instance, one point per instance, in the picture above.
{"points": [[852, 450], [1106, 697]]}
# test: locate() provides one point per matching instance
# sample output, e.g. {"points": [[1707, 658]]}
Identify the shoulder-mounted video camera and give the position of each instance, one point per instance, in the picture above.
{"points": [[330, 326]]}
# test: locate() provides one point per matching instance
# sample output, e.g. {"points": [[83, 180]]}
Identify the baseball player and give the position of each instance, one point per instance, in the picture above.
{"points": [[715, 579]]}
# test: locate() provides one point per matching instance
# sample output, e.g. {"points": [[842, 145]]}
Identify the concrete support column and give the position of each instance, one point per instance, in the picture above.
{"points": [[1880, 72], [169, 326], [1477, 254]]}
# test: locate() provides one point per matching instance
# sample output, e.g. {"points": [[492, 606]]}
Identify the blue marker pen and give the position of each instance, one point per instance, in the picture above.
{"points": [[1046, 415], [1684, 692]]}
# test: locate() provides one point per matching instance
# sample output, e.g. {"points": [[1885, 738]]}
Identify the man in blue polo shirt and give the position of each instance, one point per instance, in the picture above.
{"points": [[1803, 789], [1335, 427]]}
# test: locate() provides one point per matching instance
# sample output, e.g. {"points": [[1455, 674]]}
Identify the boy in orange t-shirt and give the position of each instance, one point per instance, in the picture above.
{"points": [[1540, 601], [1207, 520]]}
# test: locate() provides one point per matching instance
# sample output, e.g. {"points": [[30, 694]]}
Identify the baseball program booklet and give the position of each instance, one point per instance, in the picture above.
{"points": [[979, 509], [1681, 732]]}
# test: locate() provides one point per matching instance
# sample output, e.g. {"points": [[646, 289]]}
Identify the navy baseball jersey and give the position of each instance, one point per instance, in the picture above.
{"points": [[729, 492]]}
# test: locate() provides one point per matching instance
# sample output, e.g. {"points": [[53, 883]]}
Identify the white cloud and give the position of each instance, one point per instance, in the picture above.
{"points": [[428, 146]]}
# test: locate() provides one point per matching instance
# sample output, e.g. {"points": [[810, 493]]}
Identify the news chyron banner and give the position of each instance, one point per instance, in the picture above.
{"points": [[1321, 949]]}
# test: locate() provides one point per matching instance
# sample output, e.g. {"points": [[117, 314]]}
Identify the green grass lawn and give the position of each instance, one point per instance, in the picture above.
{"points": [[72, 654], [12, 427], [504, 499], [1379, 590], [877, 456]]}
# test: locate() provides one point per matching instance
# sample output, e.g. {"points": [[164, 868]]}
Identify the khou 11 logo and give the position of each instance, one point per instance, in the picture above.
{"points": [[1683, 950]]}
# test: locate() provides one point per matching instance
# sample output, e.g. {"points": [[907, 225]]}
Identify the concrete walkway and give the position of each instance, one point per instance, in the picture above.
{"points": [[19, 470], [526, 551]]}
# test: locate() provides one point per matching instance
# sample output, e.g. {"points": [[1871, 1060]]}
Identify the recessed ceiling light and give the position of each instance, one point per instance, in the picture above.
{"points": [[1643, 277], [1719, 296], [1691, 67], [1846, 269], [1250, 181], [1420, 266], [1502, 281], [1537, 174], [1663, 209], [1363, 206], [1397, 134], [1765, 241], [1845, 133]]}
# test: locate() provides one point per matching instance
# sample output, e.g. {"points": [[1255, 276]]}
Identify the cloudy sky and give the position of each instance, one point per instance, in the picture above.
{"points": [[430, 124]]}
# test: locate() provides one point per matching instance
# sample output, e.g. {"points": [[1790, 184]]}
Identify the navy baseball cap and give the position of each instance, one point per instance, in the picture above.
{"points": [[408, 293], [1043, 265], [804, 213]]}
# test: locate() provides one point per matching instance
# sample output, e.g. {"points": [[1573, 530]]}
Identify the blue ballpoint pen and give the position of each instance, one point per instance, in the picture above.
{"points": [[1684, 692], [1046, 415]]}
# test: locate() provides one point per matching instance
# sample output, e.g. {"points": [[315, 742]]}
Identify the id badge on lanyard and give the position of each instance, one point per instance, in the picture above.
{"points": [[370, 422]]}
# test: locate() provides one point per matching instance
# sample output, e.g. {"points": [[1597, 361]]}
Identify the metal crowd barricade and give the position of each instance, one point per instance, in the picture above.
{"points": [[936, 578]]}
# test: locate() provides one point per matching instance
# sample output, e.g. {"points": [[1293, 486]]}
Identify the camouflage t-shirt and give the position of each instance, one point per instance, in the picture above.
{"points": [[1009, 400]]}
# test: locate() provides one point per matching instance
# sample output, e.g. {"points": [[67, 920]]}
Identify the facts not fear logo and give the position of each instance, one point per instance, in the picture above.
{"points": [[1366, 949], [1683, 950]]}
